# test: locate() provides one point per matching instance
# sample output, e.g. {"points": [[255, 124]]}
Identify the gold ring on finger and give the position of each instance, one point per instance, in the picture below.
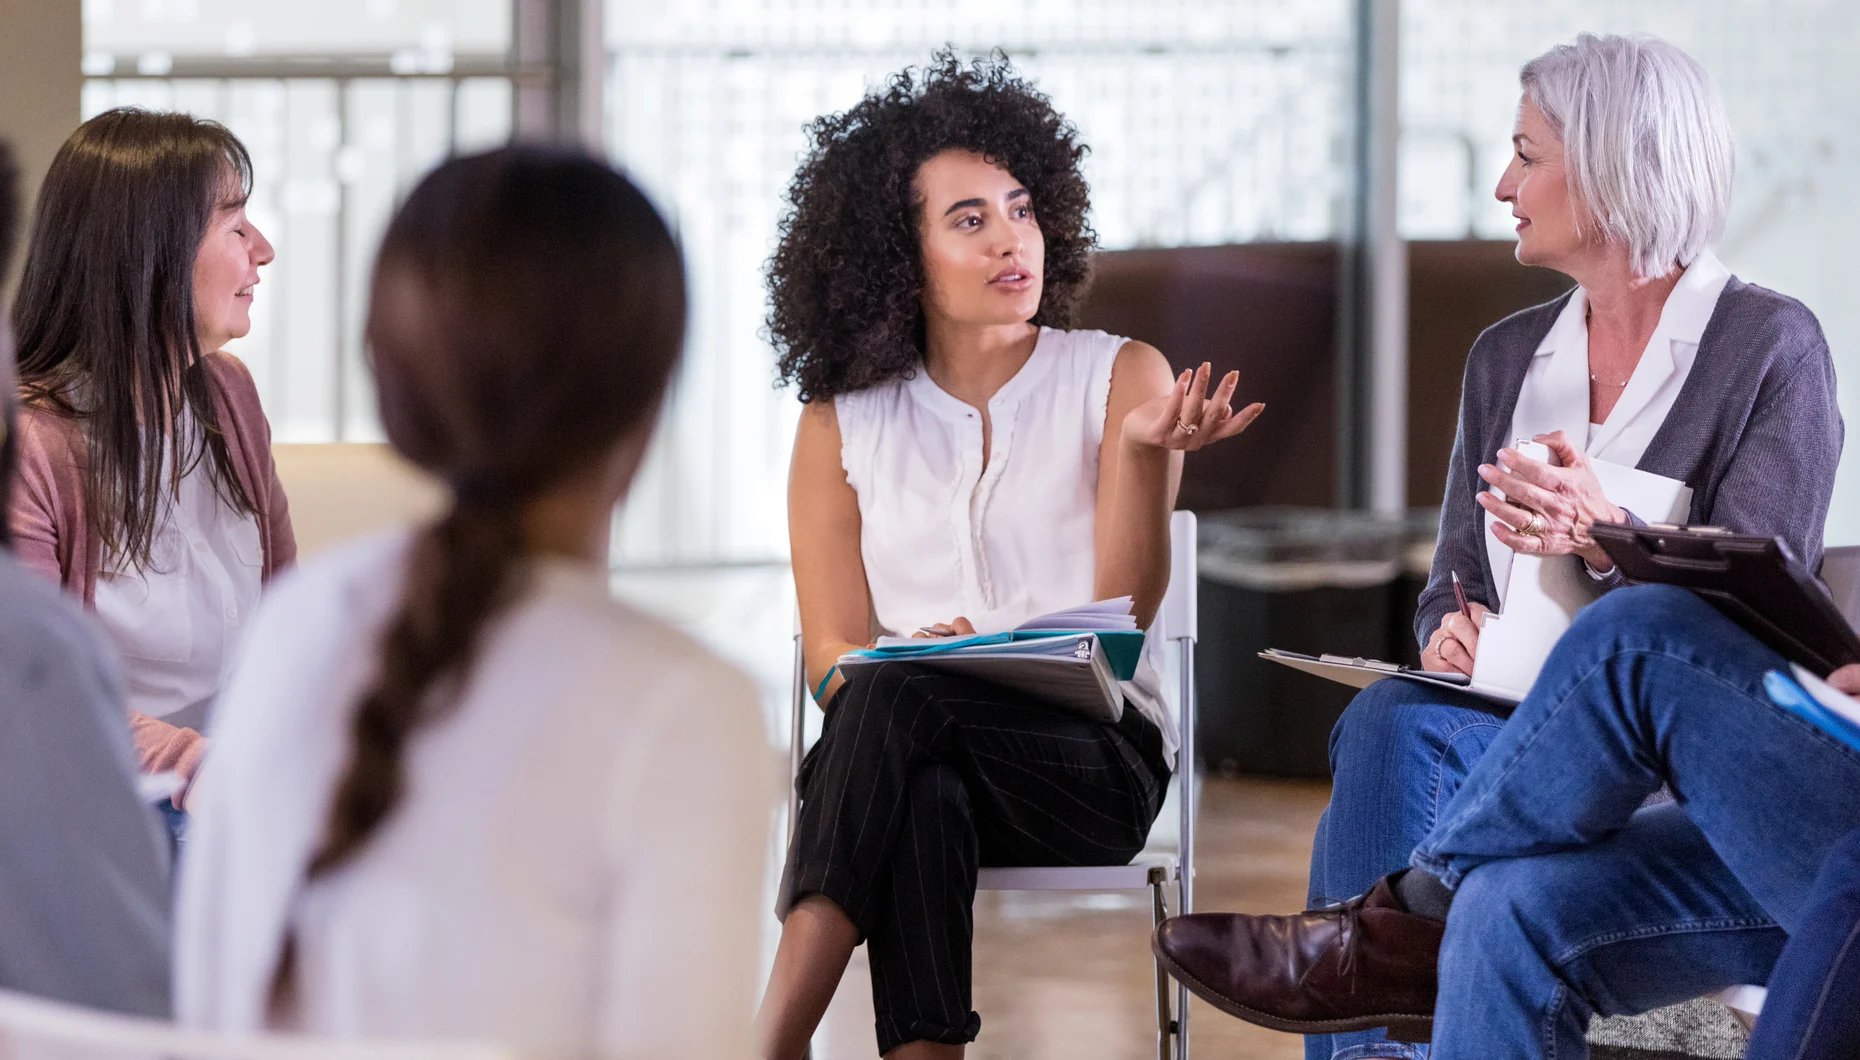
{"points": [[1187, 428], [1531, 526]]}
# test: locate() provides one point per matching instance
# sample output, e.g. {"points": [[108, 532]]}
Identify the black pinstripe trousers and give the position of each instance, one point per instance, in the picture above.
{"points": [[920, 778]]}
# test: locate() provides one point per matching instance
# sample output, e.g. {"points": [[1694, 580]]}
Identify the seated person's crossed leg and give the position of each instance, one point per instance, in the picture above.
{"points": [[1547, 893]]}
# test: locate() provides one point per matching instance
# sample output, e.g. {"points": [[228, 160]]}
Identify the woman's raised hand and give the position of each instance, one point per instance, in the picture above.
{"points": [[1188, 417], [1548, 509]]}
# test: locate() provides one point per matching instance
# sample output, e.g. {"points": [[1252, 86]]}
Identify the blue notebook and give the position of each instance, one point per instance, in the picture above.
{"points": [[1815, 701], [1122, 649]]}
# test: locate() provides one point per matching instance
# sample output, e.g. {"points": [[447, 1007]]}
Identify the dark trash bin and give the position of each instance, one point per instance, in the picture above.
{"points": [[1302, 579]]}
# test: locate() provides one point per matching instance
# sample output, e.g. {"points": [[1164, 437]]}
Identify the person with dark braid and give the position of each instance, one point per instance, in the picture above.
{"points": [[459, 792]]}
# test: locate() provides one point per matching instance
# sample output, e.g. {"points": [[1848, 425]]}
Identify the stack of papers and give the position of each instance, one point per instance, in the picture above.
{"points": [[1073, 658], [1100, 616]]}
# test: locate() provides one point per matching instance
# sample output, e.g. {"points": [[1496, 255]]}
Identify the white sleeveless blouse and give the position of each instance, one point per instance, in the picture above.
{"points": [[942, 536]]}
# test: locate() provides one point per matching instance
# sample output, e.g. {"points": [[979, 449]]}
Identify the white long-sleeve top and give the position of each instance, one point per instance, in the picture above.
{"points": [[575, 869]]}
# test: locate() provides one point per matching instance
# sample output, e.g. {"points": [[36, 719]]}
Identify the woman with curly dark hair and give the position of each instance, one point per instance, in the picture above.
{"points": [[963, 463]]}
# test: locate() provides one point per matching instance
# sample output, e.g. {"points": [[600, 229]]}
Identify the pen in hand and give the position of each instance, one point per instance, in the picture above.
{"points": [[1460, 594]]}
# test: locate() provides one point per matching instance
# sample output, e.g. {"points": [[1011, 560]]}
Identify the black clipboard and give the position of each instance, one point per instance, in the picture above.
{"points": [[1755, 580]]}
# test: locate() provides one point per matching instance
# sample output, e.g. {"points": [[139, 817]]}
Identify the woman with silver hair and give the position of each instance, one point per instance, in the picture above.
{"points": [[1659, 359]]}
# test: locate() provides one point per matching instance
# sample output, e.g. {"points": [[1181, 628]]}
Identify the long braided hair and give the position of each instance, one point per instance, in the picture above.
{"points": [[527, 310]]}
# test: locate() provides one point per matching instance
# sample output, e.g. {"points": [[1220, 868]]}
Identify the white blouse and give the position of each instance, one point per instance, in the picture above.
{"points": [[943, 536], [577, 866], [177, 621], [1555, 395]]}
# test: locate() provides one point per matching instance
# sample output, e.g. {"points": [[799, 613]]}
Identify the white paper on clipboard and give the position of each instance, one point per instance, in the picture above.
{"points": [[1361, 673]]}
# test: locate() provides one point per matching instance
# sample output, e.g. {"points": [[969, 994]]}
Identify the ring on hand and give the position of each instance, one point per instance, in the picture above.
{"points": [[1187, 428], [1531, 526]]}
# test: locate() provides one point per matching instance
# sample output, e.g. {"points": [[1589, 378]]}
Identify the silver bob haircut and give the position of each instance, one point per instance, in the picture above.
{"points": [[1646, 145]]}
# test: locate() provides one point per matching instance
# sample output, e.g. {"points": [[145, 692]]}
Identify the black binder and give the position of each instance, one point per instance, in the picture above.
{"points": [[1755, 580]]}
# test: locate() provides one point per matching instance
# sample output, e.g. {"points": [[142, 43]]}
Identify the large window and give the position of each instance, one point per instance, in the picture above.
{"points": [[342, 104], [1209, 123]]}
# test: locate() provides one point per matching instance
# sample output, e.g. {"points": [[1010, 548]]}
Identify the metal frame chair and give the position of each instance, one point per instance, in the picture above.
{"points": [[1177, 624]]}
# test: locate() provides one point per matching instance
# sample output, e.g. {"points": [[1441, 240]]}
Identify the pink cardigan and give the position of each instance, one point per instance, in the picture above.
{"points": [[53, 535]]}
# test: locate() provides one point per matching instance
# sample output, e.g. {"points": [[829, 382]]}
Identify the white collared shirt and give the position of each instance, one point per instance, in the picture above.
{"points": [[176, 622], [1555, 394], [942, 534]]}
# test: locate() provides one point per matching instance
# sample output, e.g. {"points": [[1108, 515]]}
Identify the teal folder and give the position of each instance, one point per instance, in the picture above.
{"points": [[1122, 649], [1077, 670]]}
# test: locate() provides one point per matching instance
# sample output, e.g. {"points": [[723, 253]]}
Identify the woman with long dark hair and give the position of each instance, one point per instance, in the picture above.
{"points": [[459, 791], [146, 486]]}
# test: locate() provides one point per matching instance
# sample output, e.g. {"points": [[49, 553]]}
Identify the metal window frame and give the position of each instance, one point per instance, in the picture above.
{"points": [[556, 94], [557, 66], [1372, 332], [565, 39]]}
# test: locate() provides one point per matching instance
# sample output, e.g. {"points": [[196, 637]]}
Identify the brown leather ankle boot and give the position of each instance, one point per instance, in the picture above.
{"points": [[1365, 963]]}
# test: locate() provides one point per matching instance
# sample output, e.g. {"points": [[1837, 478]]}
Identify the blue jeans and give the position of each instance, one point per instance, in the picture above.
{"points": [[175, 822], [1813, 1011], [1570, 899], [1397, 756]]}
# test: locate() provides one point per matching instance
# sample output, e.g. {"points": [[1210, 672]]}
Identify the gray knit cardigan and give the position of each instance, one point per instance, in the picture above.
{"points": [[1755, 432]]}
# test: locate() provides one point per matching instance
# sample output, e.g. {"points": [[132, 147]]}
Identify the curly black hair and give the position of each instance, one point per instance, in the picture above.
{"points": [[846, 280]]}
